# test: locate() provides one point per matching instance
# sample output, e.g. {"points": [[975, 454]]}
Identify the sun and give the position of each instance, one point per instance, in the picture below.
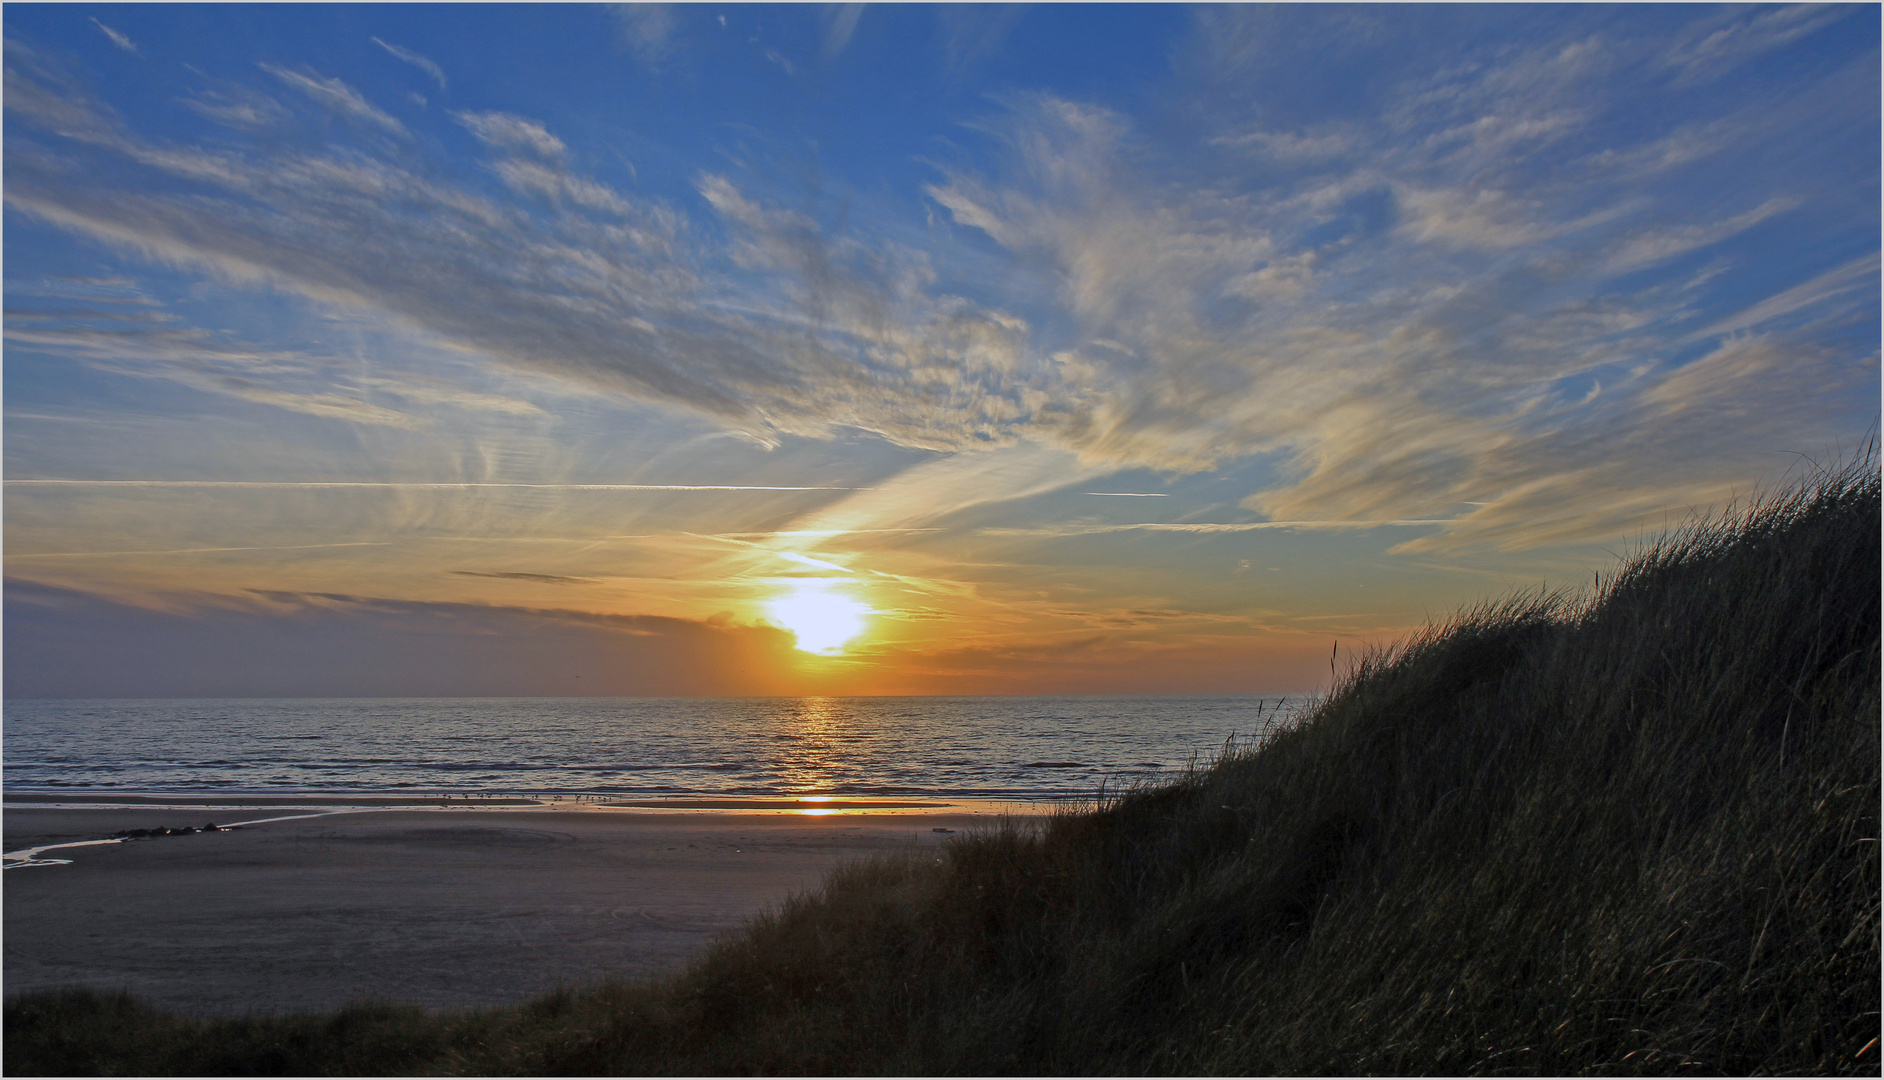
{"points": [[823, 617]]}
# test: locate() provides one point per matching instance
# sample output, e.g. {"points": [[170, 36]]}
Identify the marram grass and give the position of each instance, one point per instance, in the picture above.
{"points": [[1633, 832]]}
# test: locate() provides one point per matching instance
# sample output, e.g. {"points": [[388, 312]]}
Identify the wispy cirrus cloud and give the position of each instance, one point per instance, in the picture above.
{"points": [[522, 575], [1436, 330], [972, 33], [1652, 246], [424, 64], [840, 26], [140, 552], [419, 485], [516, 134], [143, 346], [114, 326], [336, 96], [648, 31], [596, 287], [1467, 301], [118, 39], [1716, 45], [531, 162], [1833, 289], [244, 110], [1206, 528]]}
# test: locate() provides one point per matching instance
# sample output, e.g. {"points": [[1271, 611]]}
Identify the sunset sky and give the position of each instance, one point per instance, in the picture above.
{"points": [[495, 350]]}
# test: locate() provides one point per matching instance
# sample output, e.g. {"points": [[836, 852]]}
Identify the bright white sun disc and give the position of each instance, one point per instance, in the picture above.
{"points": [[822, 617]]}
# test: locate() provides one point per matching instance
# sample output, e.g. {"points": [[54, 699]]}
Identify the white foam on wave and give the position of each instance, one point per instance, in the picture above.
{"points": [[31, 856]]}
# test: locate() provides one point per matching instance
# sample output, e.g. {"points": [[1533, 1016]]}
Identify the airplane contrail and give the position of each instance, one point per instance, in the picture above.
{"points": [[422, 484]]}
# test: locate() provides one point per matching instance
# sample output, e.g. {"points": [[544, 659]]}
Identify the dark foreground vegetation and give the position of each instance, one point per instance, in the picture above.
{"points": [[1628, 833]]}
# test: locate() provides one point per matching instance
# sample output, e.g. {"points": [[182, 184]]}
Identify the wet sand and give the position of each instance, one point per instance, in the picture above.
{"points": [[431, 906]]}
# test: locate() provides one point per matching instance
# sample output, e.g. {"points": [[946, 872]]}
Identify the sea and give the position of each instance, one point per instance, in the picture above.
{"points": [[1027, 749]]}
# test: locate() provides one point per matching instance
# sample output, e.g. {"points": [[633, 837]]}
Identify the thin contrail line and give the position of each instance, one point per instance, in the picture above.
{"points": [[424, 484], [192, 551], [1210, 527]]}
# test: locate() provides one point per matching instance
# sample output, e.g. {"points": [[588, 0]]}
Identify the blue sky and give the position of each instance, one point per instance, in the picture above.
{"points": [[1103, 348]]}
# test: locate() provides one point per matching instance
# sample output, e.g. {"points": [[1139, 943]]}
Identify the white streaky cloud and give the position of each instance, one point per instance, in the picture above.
{"points": [[189, 551], [515, 134], [971, 33], [1716, 45], [336, 96], [120, 40], [422, 485], [98, 290], [535, 178], [243, 110], [131, 335], [648, 31], [847, 335], [1484, 219], [1371, 463], [1558, 508], [1409, 380], [840, 25], [934, 489], [1206, 528], [197, 359], [1858, 275], [1657, 244], [1747, 375], [780, 61], [776, 549], [1682, 146], [427, 391], [824, 533], [819, 564], [330, 406], [422, 63], [1714, 429], [1493, 135], [1291, 146], [1485, 116], [39, 89]]}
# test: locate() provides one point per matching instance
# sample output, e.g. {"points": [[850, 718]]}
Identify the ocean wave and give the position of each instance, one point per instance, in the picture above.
{"points": [[1028, 748]]}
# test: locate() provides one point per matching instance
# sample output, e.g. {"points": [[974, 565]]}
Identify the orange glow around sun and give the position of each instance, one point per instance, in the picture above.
{"points": [[822, 616]]}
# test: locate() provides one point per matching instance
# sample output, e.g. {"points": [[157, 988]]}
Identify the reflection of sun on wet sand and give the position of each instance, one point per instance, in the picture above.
{"points": [[417, 904]]}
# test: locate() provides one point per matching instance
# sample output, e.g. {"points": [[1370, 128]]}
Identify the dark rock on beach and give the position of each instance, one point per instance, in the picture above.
{"points": [[161, 830]]}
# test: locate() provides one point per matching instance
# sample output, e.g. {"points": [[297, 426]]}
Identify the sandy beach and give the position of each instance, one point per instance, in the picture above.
{"points": [[421, 902]]}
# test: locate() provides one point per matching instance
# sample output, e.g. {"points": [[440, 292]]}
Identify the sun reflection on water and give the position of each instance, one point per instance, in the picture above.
{"points": [[813, 731]]}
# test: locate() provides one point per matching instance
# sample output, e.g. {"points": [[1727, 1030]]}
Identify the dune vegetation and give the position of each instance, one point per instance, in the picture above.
{"points": [[1628, 831]]}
